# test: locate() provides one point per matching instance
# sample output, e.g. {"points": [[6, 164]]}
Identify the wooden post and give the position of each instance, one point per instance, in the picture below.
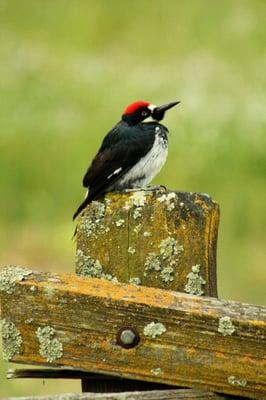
{"points": [[134, 332], [159, 238]]}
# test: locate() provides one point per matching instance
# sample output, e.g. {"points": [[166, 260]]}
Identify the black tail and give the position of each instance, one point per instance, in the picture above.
{"points": [[86, 201]]}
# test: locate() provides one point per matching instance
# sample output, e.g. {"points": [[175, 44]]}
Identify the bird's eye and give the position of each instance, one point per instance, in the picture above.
{"points": [[144, 113]]}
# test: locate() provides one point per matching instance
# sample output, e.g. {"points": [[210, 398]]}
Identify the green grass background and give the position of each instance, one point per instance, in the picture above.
{"points": [[68, 68]]}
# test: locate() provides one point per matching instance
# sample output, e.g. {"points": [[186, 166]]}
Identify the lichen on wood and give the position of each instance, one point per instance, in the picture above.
{"points": [[91, 225], [135, 280], [50, 347], [195, 281], [169, 248], [234, 381], [154, 329], [89, 267], [11, 338], [9, 275], [152, 262], [226, 326], [179, 228], [169, 200]]}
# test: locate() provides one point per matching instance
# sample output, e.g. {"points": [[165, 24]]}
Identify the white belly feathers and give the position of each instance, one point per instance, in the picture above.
{"points": [[148, 166]]}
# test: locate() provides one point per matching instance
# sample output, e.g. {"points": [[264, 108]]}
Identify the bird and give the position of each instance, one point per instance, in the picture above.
{"points": [[131, 153]]}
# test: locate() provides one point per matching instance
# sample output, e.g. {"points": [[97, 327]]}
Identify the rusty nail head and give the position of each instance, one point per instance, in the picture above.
{"points": [[127, 337]]}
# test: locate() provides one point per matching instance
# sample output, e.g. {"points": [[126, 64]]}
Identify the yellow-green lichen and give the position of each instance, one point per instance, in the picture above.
{"points": [[137, 213], [234, 381], [131, 250], [152, 262], [169, 247], [135, 280], [146, 234], [226, 326], [120, 222], [137, 228], [156, 371], [49, 291], [166, 260], [137, 199], [91, 221], [89, 267], [9, 275], [11, 339], [195, 281], [50, 347], [167, 274], [169, 200], [154, 329]]}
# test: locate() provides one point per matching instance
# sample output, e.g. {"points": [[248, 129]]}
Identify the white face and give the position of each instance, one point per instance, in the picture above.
{"points": [[151, 107]]}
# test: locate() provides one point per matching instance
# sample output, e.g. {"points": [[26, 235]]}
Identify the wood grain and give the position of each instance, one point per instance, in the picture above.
{"points": [[86, 315]]}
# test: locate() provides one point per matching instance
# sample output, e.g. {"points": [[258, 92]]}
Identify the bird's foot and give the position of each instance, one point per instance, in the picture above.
{"points": [[146, 189], [136, 189], [155, 188]]}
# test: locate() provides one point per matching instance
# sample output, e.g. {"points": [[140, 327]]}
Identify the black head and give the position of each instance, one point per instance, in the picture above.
{"points": [[140, 110]]}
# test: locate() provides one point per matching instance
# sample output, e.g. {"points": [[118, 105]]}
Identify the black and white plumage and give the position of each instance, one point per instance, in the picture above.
{"points": [[131, 154]]}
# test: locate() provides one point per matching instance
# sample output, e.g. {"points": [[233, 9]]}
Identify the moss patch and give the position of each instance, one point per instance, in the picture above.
{"points": [[154, 329], [195, 281], [10, 275], [11, 338], [226, 326], [50, 347]]}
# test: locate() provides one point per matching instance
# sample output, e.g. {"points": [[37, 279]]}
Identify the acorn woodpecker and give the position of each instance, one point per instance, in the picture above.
{"points": [[131, 154]]}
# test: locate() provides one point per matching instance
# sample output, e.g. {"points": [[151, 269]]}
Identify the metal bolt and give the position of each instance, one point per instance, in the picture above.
{"points": [[127, 337]]}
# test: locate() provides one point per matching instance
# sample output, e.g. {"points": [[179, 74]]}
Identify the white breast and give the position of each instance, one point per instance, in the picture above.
{"points": [[148, 166]]}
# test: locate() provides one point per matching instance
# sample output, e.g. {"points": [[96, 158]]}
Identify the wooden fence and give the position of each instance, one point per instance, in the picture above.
{"points": [[121, 325]]}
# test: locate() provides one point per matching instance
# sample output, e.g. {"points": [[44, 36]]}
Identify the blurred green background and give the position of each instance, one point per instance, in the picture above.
{"points": [[68, 68]]}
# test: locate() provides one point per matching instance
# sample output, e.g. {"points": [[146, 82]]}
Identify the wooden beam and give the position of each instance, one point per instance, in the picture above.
{"points": [[184, 340], [151, 238]]}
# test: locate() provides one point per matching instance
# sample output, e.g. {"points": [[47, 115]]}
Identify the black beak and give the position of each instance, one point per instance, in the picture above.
{"points": [[158, 112]]}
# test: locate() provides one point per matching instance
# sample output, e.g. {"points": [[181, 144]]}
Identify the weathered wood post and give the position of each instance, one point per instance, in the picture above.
{"points": [[160, 238]]}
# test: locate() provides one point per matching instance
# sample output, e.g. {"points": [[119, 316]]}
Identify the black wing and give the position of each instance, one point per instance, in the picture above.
{"points": [[121, 149]]}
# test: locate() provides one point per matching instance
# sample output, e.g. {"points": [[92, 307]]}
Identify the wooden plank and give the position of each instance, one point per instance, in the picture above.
{"points": [[151, 237], [64, 320], [178, 394]]}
